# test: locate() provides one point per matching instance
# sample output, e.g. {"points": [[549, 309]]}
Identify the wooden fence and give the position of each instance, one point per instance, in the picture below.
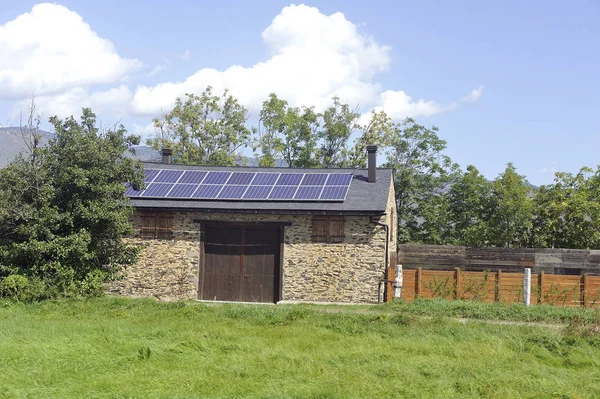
{"points": [[501, 287], [447, 257]]}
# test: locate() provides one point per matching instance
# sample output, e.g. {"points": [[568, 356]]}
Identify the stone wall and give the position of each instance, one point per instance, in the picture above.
{"points": [[345, 272], [392, 218]]}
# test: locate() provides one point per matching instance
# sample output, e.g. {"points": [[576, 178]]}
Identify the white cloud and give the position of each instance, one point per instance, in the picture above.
{"points": [[51, 50], [156, 69], [474, 95], [313, 58], [145, 131], [186, 55], [116, 101], [399, 105]]}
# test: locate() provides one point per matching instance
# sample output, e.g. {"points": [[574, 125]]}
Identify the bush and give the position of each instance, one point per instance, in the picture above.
{"points": [[14, 287], [93, 284], [21, 288]]}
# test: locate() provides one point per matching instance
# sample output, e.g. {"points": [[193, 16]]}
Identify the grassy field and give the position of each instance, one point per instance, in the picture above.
{"points": [[126, 348]]}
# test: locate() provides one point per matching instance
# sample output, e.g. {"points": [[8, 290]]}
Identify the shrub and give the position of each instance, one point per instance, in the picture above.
{"points": [[21, 288], [14, 287], [93, 284]]}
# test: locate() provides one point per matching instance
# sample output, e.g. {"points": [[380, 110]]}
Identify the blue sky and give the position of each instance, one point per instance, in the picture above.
{"points": [[532, 68]]}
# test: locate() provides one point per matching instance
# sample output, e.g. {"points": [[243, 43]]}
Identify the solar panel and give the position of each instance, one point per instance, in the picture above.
{"points": [[182, 191], [150, 175], [338, 179], [130, 192], [265, 179], [193, 176], [289, 179], [314, 179], [257, 192], [168, 176], [157, 189], [207, 191], [308, 192], [241, 178], [232, 192], [217, 178], [334, 193], [237, 185], [283, 192]]}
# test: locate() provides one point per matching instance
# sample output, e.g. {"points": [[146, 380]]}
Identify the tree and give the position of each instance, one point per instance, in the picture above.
{"points": [[286, 133], [567, 213], [339, 121], [65, 223], [377, 132], [511, 210], [205, 129], [469, 200], [422, 175]]}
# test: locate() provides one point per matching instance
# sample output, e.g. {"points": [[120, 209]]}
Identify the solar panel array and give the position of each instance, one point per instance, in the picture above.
{"points": [[253, 186]]}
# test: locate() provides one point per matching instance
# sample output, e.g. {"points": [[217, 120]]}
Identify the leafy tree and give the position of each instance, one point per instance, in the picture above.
{"points": [[339, 121], [286, 133], [63, 215], [377, 132], [567, 213], [469, 200], [206, 129], [511, 210], [422, 175]]}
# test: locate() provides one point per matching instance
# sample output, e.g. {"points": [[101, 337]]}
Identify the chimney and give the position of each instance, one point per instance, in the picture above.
{"points": [[166, 155], [372, 163]]}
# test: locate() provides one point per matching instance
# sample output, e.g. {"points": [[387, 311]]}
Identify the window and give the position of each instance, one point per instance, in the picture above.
{"points": [[328, 229], [156, 225]]}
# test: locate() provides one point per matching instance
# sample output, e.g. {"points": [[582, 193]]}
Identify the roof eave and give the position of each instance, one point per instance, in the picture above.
{"points": [[266, 211]]}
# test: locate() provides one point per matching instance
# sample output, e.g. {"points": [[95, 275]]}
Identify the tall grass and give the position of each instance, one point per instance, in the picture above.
{"points": [[494, 311], [126, 348]]}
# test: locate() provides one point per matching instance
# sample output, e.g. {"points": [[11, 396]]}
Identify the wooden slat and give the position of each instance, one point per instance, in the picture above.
{"points": [[445, 257]]}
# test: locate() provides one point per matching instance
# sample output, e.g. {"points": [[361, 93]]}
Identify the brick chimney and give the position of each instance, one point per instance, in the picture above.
{"points": [[167, 155], [372, 163]]}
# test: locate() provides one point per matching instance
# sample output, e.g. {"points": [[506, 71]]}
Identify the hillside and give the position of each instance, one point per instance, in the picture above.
{"points": [[11, 143]]}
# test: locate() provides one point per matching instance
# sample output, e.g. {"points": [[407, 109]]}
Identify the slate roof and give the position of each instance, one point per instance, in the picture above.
{"points": [[363, 197]]}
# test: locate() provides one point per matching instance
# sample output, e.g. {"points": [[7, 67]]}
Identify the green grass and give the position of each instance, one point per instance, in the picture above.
{"points": [[493, 311], [126, 348]]}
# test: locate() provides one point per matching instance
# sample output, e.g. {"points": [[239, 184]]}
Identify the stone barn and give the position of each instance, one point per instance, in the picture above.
{"points": [[262, 234]]}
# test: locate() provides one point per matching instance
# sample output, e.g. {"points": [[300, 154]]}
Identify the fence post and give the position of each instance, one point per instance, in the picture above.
{"points": [[457, 282], [398, 283], [419, 281], [583, 288], [541, 287], [498, 284], [527, 287]]}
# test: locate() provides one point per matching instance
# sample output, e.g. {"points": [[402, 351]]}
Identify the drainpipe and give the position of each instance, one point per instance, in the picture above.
{"points": [[387, 243]]}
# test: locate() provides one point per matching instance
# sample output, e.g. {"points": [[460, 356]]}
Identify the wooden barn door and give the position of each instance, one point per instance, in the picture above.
{"points": [[240, 264]]}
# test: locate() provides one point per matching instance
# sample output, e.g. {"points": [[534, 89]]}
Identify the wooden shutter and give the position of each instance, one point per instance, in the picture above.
{"points": [[148, 224], [156, 225], [328, 229], [319, 230], [336, 230], [164, 225]]}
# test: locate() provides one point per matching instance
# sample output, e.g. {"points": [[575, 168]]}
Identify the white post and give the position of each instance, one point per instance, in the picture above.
{"points": [[527, 287], [398, 283]]}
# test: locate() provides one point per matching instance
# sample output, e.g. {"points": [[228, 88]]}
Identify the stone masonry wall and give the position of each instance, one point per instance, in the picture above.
{"points": [[391, 214], [345, 272]]}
